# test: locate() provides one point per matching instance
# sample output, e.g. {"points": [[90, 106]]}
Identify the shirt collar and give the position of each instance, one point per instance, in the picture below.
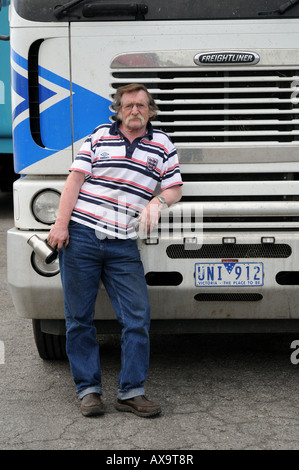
{"points": [[114, 130]]}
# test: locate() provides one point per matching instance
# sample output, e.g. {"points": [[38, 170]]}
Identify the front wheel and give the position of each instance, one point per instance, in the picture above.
{"points": [[49, 346]]}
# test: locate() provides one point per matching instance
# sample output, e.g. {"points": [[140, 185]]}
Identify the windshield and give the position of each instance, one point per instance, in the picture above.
{"points": [[154, 10]]}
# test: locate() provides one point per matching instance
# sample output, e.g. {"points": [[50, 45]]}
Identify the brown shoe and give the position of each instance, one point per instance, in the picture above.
{"points": [[92, 405], [140, 406]]}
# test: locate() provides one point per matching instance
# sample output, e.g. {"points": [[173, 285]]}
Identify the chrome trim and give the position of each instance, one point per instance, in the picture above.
{"points": [[185, 58]]}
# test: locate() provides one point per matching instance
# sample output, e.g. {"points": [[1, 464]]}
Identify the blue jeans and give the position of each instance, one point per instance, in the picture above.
{"points": [[85, 261]]}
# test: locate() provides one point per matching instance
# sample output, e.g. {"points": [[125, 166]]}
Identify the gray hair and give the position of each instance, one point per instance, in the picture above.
{"points": [[130, 89]]}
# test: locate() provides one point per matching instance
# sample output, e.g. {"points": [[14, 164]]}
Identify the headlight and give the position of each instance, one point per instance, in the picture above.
{"points": [[45, 206]]}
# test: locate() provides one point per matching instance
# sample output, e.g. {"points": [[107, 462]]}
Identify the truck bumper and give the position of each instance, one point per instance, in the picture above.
{"points": [[170, 274]]}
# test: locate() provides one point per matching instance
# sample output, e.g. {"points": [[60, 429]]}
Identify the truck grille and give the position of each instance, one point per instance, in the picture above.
{"points": [[223, 107], [228, 115], [230, 251]]}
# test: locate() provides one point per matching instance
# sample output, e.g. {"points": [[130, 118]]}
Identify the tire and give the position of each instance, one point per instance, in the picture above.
{"points": [[50, 347]]}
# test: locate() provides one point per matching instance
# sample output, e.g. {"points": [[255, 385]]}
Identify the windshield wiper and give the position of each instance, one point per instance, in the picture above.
{"points": [[63, 9], [105, 9], [91, 10], [284, 7]]}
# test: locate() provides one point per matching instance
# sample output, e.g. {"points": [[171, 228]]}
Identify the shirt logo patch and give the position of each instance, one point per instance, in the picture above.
{"points": [[151, 163], [104, 155]]}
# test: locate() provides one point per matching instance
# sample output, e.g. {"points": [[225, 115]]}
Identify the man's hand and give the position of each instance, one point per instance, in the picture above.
{"points": [[58, 236], [150, 215]]}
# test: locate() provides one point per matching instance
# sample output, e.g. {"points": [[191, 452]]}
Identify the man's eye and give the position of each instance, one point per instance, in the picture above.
{"points": [[138, 105]]}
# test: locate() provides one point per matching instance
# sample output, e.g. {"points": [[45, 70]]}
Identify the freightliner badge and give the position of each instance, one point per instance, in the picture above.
{"points": [[227, 58]]}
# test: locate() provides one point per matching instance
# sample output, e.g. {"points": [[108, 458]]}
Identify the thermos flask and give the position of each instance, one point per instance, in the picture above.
{"points": [[41, 248]]}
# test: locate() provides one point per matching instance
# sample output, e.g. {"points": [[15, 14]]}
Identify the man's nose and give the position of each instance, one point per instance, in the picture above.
{"points": [[135, 109]]}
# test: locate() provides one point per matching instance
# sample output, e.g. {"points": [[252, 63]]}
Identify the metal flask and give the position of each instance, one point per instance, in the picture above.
{"points": [[42, 249]]}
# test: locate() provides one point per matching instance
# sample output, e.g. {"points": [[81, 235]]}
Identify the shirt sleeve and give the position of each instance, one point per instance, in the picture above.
{"points": [[84, 158], [171, 174]]}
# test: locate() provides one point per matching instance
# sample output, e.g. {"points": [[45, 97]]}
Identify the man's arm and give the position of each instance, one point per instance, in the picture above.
{"points": [[150, 215], [171, 196], [59, 233]]}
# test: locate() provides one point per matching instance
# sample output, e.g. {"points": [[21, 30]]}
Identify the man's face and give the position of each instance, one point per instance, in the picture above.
{"points": [[134, 112]]}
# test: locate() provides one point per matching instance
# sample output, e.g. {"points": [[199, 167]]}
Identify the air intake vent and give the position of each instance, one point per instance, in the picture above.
{"points": [[224, 107], [231, 251], [33, 92], [228, 297]]}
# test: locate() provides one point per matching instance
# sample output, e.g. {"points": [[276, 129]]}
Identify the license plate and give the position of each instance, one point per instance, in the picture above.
{"points": [[230, 274]]}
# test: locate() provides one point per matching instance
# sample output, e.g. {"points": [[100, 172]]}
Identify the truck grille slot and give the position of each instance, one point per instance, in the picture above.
{"points": [[163, 278], [205, 297], [236, 186], [231, 251], [222, 106]]}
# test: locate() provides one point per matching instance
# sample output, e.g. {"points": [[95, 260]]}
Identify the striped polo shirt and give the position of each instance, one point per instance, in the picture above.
{"points": [[121, 177]]}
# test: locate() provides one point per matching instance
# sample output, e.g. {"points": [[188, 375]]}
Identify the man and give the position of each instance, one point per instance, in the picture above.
{"points": [[108, 193]]}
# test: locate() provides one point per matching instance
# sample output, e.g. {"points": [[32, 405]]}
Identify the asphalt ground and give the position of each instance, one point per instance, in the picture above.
{"points": [[217, 392]]}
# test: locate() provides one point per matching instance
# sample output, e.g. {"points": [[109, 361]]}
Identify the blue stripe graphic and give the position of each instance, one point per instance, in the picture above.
{"points": [[89, 110]]}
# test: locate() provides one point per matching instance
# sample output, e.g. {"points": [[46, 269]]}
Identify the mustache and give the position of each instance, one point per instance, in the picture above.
{"points": [[138, 116]]}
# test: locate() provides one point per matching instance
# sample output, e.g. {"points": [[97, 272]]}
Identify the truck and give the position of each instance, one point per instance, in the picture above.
{"points": [[225, 76], [7, 175]]}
